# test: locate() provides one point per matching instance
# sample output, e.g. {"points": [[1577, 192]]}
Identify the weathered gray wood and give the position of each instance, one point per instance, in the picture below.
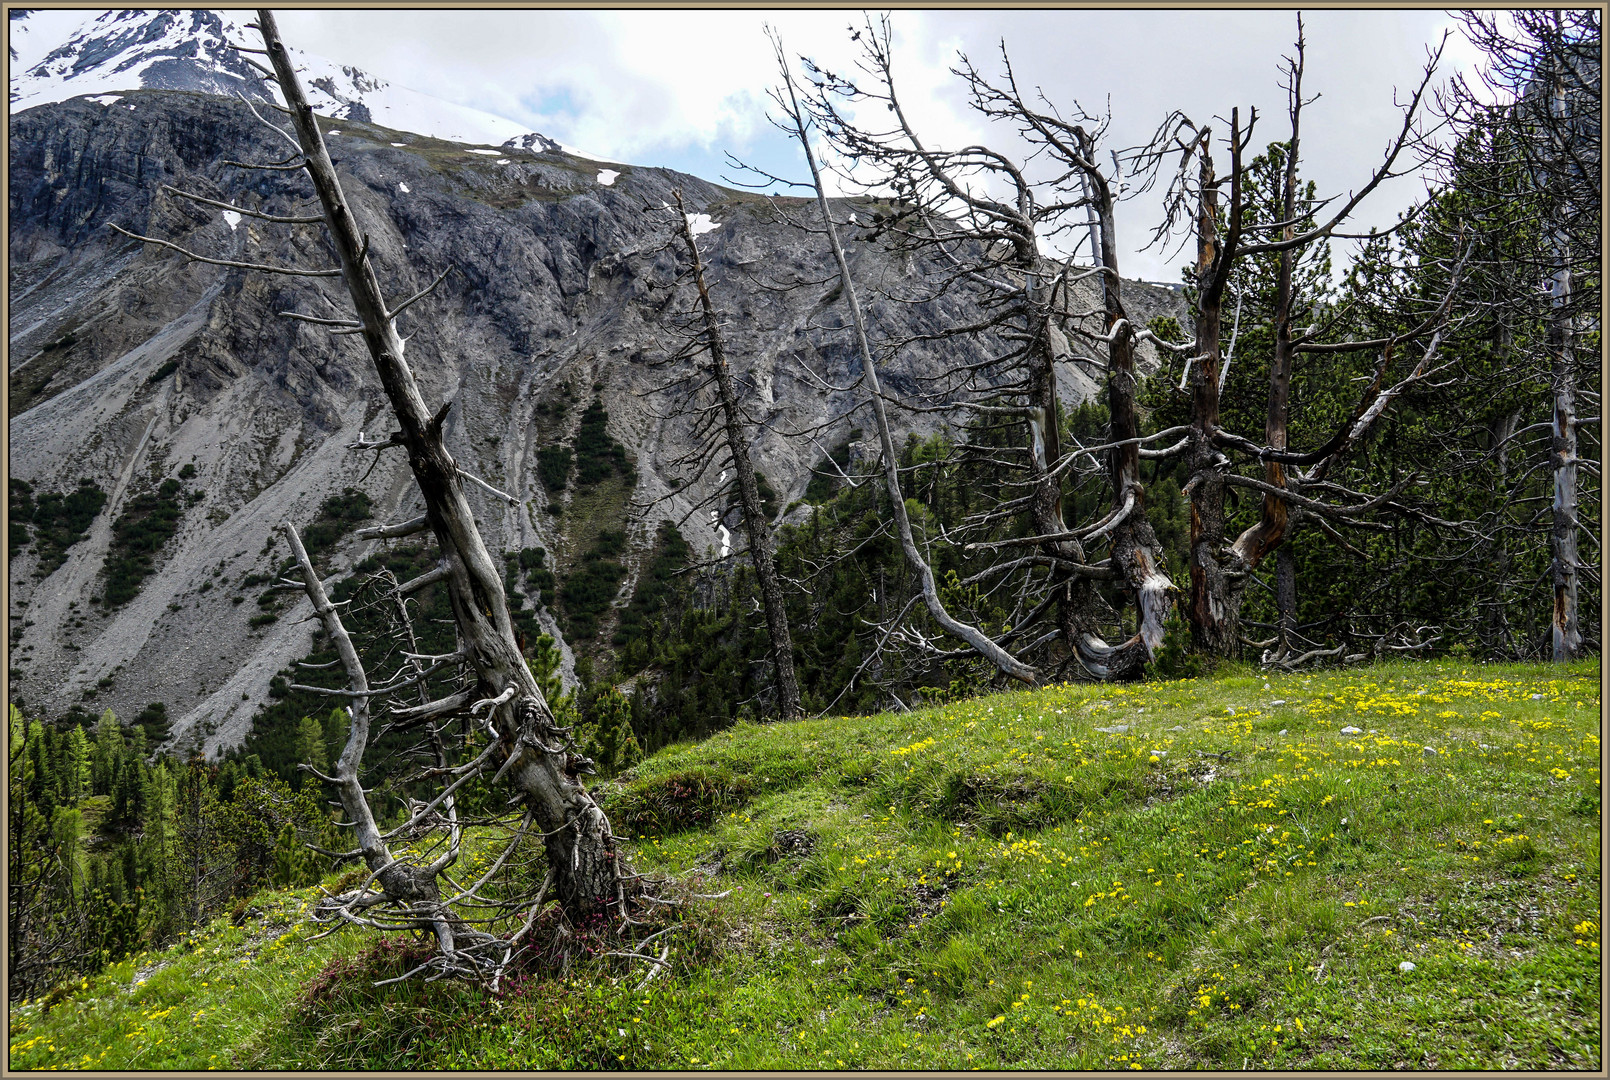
{"points": [[1565, 633], [578, 840], [980, 642]]}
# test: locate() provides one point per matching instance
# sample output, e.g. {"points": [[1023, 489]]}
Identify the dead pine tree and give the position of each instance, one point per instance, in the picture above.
{"points": [[976, 640], [1074, 142], [710, 342], [993, 245], [1226, 240], [496, 692]]}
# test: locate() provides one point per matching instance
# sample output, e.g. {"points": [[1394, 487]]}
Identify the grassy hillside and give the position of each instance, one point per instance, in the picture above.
{"points": [[1192, 874]]}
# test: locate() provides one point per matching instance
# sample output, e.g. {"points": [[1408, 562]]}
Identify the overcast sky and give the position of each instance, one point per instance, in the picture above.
{"points": [[683, 88]]}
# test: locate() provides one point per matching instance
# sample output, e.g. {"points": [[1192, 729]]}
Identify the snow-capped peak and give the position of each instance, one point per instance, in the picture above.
{"points": [[57, 55], [125, 50]]}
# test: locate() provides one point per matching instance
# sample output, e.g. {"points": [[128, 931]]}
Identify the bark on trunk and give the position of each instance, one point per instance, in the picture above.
{"points": [[757, 529], [1285, 600], [1136, 553], [1075, 594], [1564, 632], [1253, 545], [1213, 611], [581, 849], [1267, 534]]}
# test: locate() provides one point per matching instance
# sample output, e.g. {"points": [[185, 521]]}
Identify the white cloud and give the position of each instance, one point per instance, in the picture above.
{"points": [[682, 87], [623, 83], [645, 86]]}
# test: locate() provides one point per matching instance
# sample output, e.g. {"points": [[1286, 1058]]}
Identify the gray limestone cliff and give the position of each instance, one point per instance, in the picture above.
{"points": [[127, 363]]}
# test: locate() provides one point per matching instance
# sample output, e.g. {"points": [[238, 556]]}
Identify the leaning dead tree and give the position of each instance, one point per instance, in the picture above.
{"points": [[976, 640], [991, 245], [728, 414], [494, 695], [1296, 485]]}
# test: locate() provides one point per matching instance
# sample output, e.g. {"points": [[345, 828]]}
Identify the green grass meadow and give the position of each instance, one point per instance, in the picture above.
{"points": [[1224, 877]]}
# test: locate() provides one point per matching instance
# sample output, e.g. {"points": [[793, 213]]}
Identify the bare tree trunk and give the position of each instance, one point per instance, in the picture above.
{"points": [[1136, 552], [1285, 600], [755, 524], [1564, 632], [581, 849], [400, 881], [1075, 593], [1269, 532], [1212, 612], [1003, 660]]}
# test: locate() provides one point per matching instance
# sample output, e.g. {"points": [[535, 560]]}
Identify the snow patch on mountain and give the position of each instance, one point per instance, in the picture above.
{"points": [[32, 34], [124, 50], [57, 55]]}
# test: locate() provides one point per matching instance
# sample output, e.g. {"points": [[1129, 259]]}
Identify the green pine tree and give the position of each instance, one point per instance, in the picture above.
{"points": [[310, 749]]}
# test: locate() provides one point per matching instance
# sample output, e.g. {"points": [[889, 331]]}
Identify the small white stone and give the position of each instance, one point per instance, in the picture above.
{"points": [[1406, 966], [1230, 709], [1278, 701], [1351, 731], [1284, 731], [1429, 751], [1537, 697]]}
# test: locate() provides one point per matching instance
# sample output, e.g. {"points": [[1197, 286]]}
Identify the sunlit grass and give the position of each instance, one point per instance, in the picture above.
{"points": [[1228, 876]]}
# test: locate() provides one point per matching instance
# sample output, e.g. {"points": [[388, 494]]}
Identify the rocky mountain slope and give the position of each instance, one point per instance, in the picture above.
{"points": [[129, 366]]}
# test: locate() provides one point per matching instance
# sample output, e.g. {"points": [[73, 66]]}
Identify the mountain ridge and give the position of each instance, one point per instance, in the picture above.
{"points": [[125, 50]]}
